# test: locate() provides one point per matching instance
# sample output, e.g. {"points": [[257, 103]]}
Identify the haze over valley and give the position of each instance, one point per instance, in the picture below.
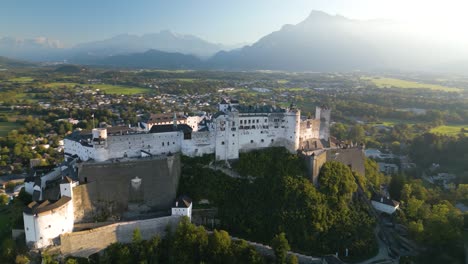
{"points": [[266, 131], [321, 42]]}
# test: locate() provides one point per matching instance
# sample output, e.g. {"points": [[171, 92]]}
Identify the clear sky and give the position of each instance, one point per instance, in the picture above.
{"points": [[221, 21]]}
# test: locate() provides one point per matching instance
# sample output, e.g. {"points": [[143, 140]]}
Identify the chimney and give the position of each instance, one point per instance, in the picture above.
{"points": [[174, 120]]}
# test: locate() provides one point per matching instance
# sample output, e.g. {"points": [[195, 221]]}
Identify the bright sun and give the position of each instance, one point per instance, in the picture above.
{"points": [[446, 18]]}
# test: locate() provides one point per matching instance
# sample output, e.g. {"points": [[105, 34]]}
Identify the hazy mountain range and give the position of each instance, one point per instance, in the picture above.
{"points": [[319, 43], [44, 49], [166, 41], [12, 63], [37, 49]]}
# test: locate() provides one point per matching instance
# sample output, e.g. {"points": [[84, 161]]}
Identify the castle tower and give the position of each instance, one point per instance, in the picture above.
{"points": [[99, 152], [227, 137], [323, 113]]}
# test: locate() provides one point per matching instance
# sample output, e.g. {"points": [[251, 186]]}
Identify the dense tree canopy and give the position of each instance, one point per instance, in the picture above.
{"points": [[280, 199], [337, 182], [187, 244]]}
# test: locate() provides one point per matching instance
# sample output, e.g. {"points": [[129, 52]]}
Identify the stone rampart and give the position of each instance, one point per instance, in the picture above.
{"points": [[112, 188], [88, 242]]}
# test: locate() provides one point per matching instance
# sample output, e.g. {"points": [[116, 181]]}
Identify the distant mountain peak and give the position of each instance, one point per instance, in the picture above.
{"points": [[164, 40], [316, 15]]}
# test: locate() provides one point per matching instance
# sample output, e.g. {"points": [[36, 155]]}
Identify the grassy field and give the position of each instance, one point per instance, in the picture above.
{"points": [[391, 122], [118, 89], [391, 82], [26, 96], [297, 89], [21, 80], [17, 96], [6, 127], [108, 88], [292, 89], [450, 130], [60, 84]]}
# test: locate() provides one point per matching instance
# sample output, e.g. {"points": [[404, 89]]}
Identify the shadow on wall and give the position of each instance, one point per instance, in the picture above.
{"points": [[111, 187], [86, 243]]}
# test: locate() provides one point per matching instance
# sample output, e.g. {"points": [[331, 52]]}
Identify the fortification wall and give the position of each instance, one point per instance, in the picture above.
{"points": [[202, 142], [41, 229], [107, 188], [155, 143], [314, 163], [353, 157], [310, 128], [82, 204], [72, 147], [253, 139], [242, 133], [85, 243]]}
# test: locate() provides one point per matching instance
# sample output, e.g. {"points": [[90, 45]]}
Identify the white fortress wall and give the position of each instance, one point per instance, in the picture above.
{"points": [[202, 143], [231, 132], [309, 129], [73, 147], [154, 143], [41, 229]]}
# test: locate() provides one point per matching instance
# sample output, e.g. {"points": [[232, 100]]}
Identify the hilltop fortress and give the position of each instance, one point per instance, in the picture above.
{"points": [[233, 129], [121, 173]]}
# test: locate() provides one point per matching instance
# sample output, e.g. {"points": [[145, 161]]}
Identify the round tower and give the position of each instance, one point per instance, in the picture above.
{"points": [[99, 133]]}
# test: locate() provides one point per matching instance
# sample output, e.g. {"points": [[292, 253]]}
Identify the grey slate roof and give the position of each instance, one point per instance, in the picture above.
{"points": [[171, 128], [45, 206], [183, 202], [383, 199], [259, 109]]}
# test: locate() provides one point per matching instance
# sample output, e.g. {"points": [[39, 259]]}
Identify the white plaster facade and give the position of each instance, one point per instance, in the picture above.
{"points": [[385, 207], [44, 222], [232, 130], [181, 209]]}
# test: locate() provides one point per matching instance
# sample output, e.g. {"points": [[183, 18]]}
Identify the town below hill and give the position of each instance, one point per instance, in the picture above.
{"points": [[411, 127]]}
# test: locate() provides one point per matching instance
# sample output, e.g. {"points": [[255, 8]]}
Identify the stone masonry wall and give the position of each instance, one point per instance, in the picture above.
{"points": [[107, 189], [86, 243]]}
